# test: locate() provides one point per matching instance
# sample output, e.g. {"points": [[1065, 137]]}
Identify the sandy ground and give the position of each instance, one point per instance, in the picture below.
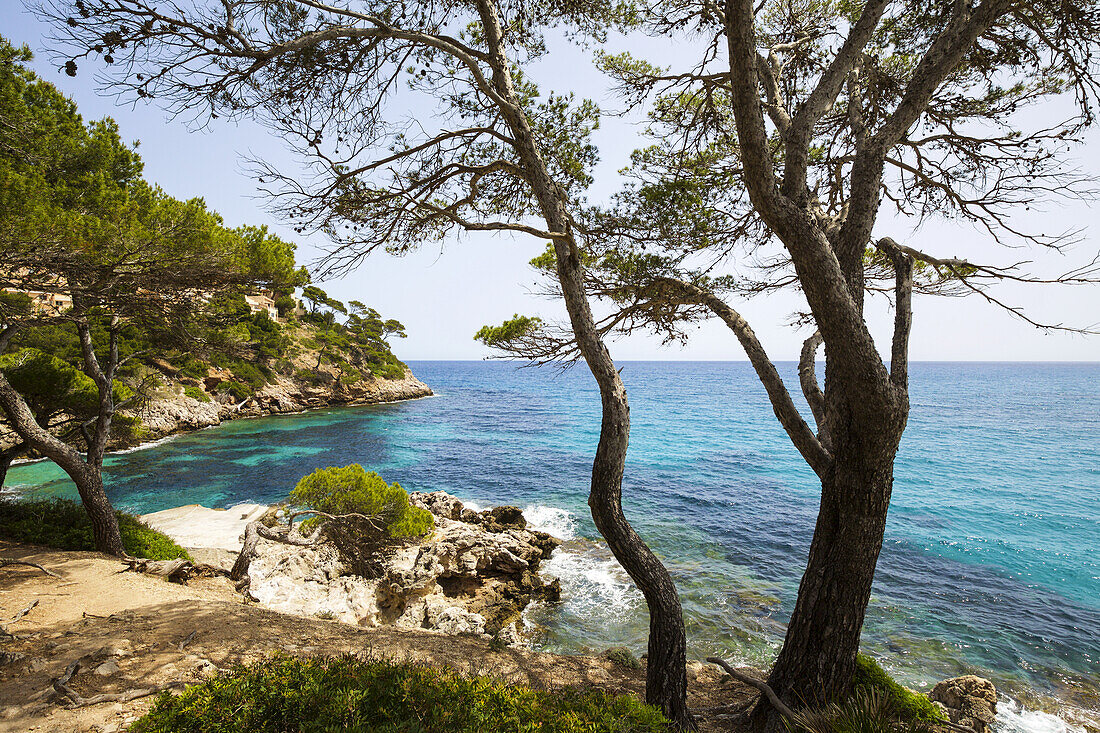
{"points": [[195, 526], [106, 618]]}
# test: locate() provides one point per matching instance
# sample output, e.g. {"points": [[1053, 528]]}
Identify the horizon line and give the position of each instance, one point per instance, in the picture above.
{"points": [[782, 361]]}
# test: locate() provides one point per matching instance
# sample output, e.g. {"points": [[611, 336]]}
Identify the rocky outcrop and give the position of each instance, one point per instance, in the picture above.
{"points": [[968, 700], [474, 574], [173, 411]]}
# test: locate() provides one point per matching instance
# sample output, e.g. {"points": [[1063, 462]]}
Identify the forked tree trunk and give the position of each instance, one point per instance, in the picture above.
{"points": [[818, 657]]}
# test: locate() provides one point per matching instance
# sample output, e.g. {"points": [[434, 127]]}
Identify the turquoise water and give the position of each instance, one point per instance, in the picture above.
{"points": [[992, 555]]}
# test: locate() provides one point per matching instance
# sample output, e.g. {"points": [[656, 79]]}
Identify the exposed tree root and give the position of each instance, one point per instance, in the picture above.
{"points": [[74, 700], [178, 570], [25, 611], [188, 639], [761, 685], [5, 562], [286, 534]]}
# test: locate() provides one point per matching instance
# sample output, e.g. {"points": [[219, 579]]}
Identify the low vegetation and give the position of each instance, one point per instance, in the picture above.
{"points": [[870, 710], [355, 694], [353, 490], [364, 544], [65, 525], [905, 704]]}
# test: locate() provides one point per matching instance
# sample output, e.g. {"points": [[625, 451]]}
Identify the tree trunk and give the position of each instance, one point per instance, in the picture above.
{"points": [[105, 531], [666, 670], [5, 463], [666, 663], [818, 657]]}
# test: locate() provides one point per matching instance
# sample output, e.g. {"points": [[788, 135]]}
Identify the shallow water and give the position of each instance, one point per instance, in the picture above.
{"points": [[992, 555]]}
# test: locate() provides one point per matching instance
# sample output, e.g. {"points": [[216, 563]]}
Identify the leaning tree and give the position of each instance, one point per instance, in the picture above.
{"points": [[797, 123], [502, 158], [96, 266]]}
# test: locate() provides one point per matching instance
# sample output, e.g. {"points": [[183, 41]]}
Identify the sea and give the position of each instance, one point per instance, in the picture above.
{"points": [[991, 562]]}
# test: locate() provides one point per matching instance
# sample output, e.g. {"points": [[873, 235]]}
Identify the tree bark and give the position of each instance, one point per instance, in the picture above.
{"points": [[666, 667], [817, 660], [6, 458], [87, 476], [105, 531]]}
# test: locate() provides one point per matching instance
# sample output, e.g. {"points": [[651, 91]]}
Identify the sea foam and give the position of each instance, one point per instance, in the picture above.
{"points": [[1014, 718]]}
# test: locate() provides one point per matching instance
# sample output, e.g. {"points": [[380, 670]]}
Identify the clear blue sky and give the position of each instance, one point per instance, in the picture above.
{"points": [[444, 295]]}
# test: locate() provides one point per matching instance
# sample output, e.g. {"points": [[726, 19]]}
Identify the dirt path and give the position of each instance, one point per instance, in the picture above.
{"points": [[127, 629]]}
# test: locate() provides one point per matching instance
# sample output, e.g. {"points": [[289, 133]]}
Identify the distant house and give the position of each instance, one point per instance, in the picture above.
{"points": [[46, 303], [263, 301]]}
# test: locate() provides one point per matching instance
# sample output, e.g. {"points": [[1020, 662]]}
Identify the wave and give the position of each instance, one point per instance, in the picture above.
{"points": [[593, 584], [143, 446], [1012, 717], [551, 520]]}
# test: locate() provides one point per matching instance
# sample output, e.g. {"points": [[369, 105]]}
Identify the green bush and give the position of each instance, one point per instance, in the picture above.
{"points": [[361, 695], [65, 525], [622, 657], [196, 394], [351, 490], [909, 705], [236, 390], [195, 369], [870, 710]]}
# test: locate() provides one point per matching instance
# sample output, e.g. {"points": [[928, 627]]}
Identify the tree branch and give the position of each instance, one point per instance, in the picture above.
{"points": [[764, 687], [807, 378], [799, 432], [903, 312]]}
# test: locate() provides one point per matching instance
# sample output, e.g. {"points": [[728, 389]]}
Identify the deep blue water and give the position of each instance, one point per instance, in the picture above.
{"points": [[992, 554]]}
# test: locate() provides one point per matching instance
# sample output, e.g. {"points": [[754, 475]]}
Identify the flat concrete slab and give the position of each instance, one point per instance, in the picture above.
{"points": [[197, 526]]}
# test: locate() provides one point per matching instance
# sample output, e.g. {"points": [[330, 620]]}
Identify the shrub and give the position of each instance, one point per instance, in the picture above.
{"points": [[364, 545], [351, 490], [622, 657], [870, 710], [361, 695], [65, 525], [196, 394], [909, 705], [236, 390], [195, 369]]}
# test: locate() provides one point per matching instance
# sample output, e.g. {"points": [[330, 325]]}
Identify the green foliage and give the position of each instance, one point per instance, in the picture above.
{"points": [[236, 390], [65, 525], [508, 332], [195, 369], [196, 394], [365, 695], [623, 657], [870, 710], [352, 490], [908, 705], [53, 388]]}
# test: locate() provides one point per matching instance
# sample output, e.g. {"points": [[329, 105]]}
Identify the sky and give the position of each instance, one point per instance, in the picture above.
{"points": [[444, 294]]}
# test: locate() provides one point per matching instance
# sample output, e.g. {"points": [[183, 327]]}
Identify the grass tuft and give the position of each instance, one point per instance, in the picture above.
{"points": [[869, 710], [908, 705]]}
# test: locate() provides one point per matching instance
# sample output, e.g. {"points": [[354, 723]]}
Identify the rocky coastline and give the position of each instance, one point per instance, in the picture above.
{"points": [[174, 411], [473, 576]]}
